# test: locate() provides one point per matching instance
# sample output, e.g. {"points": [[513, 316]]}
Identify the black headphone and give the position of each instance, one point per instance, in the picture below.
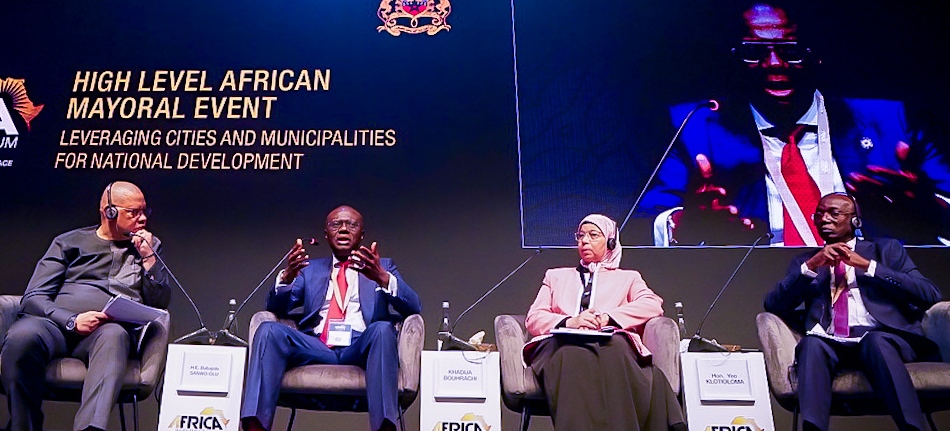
{"points": [[856, 221], [611, 243], [110, 211]]}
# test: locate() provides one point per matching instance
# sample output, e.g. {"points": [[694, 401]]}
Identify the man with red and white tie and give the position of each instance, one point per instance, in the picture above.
{"points": [[350, 303], [863, 301]]}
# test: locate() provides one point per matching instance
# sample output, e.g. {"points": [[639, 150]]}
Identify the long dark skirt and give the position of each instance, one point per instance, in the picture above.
{"points": [[600, 386]]}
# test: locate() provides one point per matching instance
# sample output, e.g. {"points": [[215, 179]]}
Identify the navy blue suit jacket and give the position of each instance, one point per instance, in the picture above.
{"points": [[309, 290], [729, 138], [897, 296]]}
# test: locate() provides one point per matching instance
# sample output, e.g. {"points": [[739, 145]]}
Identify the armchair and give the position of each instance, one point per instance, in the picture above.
{"points": [[343, 387], [520, 389], [64, 376], [851, 393]]}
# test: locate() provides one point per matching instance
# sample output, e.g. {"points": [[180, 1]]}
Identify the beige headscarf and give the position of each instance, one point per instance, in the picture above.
{"points": [[611, 259]]}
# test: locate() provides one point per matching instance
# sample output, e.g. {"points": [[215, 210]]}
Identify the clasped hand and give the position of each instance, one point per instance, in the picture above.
{"points": [[831, 254], [588, 319]]}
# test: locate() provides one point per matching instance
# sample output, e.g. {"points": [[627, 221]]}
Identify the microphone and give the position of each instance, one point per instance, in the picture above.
{"points": [[449, 340], [225, 334], [713, 105], [700, 344], [199, 336]]}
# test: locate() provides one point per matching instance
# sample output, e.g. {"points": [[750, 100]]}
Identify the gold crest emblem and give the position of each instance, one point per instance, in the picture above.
{"points": [[414, 16]]}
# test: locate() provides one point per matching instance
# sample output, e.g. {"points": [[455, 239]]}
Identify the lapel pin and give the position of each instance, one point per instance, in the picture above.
{"points": [[866, 143]]}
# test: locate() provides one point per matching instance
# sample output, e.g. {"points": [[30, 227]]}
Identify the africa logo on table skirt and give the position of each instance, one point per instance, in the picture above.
{"points": [[740, 423]]}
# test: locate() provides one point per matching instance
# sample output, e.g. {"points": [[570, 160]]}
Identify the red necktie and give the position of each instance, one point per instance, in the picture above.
{"points": [[841, 303], [802, 186], [335, 312]]}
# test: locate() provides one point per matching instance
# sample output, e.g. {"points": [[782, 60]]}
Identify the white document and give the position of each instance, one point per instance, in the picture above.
{"points": [[123, 309], [818, 332], [581, 332]]}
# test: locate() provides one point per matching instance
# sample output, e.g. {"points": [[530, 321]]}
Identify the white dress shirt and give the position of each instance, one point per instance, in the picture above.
{"points": [[858, 314], [773, 150]]}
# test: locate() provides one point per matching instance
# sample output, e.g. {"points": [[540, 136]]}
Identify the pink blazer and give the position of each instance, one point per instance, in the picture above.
{"points": [[622, 294]]}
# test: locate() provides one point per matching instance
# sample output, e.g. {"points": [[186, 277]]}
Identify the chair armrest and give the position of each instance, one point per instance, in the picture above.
{"points": [[778, 346], [256, 320], [661, 336], [409, 345], [510, 339], [9, 308], [937, 327], [155, 351]]}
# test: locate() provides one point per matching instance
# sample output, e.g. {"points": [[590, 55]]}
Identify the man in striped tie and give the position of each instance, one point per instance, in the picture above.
{"points": [[863, 301], [350, 301]]}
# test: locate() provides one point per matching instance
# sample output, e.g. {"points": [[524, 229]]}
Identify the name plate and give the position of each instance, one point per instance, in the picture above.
{"points": [[724, 379], [459, 376], [205, 372]]}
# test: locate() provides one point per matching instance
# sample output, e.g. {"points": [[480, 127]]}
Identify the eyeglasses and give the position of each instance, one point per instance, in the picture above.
{"points": [[754, 52], [594, 235], [835, 214], [137, 212], [335, 225]]}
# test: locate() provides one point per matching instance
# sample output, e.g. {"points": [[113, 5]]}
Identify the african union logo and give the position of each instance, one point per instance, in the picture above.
{"points": [[209, 419], [740, 423], [13, 95], [414, 16]]}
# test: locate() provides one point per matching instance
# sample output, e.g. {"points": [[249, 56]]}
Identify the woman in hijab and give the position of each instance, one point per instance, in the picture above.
{"points": [[591, 382]]}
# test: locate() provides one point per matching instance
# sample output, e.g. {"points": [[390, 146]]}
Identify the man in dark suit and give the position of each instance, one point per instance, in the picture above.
{"points": [[81, 271], [764, 158], [350, 302], [871, 297]]}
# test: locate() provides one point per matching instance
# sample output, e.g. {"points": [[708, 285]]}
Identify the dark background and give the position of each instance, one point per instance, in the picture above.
{"points": [[445, 201]]}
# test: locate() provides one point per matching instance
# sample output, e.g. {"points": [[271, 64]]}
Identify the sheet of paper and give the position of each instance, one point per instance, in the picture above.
{"points": [[123, 309], [841, 340]]}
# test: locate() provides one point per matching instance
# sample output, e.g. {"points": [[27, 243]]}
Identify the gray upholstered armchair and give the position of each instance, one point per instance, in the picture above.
{"points": [[64, 376], [851, 392], [343, 387], [521, 391]]}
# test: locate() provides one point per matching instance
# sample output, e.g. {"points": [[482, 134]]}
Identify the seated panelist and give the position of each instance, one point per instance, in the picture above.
{"points": [[871, 297], [61, 310], [351, 301], [595, 384]]}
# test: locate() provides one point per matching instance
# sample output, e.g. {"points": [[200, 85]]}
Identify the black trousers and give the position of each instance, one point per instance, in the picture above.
{"points": [[600, 386], [32, 342], [880, 356]]}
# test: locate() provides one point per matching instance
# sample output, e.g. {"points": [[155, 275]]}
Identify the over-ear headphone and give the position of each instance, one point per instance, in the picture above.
{"points": [[611, 243], [110, 211], [856, 221]]}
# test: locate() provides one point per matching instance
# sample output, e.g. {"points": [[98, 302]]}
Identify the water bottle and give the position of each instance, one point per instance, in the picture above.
{"points": [[228, 321], [681, 322], [445, 326]]}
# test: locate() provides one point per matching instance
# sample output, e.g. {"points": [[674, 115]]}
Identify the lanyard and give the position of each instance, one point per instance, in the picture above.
{"points": [[588, 289]]}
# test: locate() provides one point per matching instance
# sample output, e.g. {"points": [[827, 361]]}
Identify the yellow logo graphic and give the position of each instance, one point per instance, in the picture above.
{"points": [[468, 422], [414, 16], [13, 90], [208, 419], [740, 423]]}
